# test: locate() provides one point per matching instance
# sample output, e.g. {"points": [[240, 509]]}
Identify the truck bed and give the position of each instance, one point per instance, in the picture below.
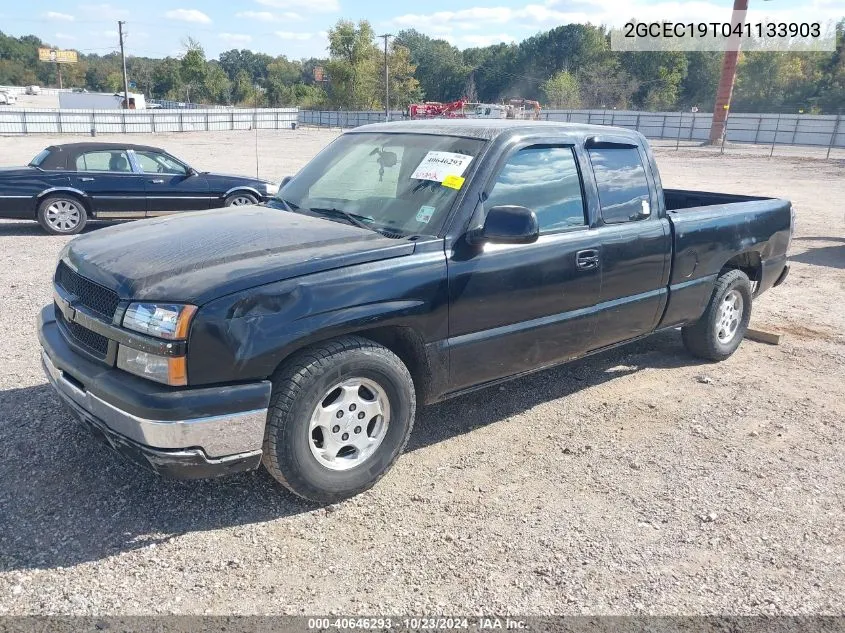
{"points": [[681, 199]]}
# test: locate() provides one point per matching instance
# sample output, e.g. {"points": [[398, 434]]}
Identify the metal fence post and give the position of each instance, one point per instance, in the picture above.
{"points": [[775, 137], [757, 132], [725, 132], [59, 120], [123, 120], [181, 123], [207, 127], [637, 123], [23, 122], [833, 136], [795, 129], [232, 118], [663, 127], [678, 140]]}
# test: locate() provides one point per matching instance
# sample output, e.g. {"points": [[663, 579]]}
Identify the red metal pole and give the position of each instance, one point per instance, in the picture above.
{"points": [[727, 79]]}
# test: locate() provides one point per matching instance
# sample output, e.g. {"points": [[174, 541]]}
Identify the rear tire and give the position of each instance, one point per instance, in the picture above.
{"points": [[340, 415], [60, 214], [720, 330], [240, 199]]}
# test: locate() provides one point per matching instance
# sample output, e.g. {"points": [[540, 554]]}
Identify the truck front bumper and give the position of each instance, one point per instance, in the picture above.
{"points": [[184, 433]]}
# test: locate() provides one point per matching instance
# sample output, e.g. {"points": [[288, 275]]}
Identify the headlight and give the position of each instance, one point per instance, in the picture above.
{"points": [[271, 189], [164, 320], [170, 370]]}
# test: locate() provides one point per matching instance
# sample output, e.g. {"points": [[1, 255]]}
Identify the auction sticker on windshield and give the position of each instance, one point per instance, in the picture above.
{"points": [[438, 166]]}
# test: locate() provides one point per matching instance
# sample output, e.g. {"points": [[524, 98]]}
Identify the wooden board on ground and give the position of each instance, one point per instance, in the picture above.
{"points": [[761, 336]]}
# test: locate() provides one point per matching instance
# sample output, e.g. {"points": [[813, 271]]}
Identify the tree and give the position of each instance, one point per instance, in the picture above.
{"points": [[353, 66], [562, 91], [217, 85], [404, 87], [282, 76], [193, 68]]}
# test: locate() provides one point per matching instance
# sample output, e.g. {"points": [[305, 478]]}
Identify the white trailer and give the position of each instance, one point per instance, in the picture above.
{"points": [[100, 101]]}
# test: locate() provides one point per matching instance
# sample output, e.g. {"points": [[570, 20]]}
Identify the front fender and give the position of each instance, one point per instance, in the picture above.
{"points": [[247, 335]]}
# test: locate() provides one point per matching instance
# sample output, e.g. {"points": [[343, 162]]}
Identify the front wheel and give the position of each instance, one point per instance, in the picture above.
{"points": [[340, 415], [721, 328], [240, 199]]}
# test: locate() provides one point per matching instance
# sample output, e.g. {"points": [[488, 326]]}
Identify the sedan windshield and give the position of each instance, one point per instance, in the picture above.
{"points": [[397, 184]]}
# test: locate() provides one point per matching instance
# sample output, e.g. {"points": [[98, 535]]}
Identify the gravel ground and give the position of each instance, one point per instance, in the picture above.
{"points": [[636, 481]]}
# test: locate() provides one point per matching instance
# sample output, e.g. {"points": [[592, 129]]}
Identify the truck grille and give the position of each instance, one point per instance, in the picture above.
{"points": [[93, 343], [93, 296]]}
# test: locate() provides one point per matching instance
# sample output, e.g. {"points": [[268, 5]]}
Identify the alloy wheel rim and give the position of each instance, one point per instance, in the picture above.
{"points": [[63, 215], [730, 316], [241, 201], [349, 423]]}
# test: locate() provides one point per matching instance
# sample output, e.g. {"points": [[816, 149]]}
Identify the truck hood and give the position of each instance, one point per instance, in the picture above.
{"points": [[200, 256]]}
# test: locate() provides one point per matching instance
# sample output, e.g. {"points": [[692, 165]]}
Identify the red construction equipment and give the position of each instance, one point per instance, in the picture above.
{"points": [[432, 109]]}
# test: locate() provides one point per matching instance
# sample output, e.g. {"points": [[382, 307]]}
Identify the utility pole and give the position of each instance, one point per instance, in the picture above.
{"points": [[123, 58], [386, 79], [727, 78]]}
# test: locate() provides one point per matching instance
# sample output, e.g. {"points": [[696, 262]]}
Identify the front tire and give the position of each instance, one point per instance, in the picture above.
{"points": [[62, 215], [340, 415], [240, 199], [720, 330]]}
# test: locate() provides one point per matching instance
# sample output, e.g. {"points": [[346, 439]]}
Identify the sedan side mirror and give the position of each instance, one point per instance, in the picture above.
{"points": [[285, 181], [507, 224], [192, 172]]}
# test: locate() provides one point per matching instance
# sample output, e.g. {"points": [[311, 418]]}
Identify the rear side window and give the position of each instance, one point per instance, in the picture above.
{"points": [[623, 187], [39, 158], [103, 161], [544, 179]]}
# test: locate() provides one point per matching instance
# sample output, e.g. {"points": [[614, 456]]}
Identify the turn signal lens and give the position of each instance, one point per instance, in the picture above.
{"points": [[169, 370]]}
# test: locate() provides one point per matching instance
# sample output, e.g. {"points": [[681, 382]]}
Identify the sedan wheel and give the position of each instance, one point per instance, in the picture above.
{"points": [[240, 200], [62, 215]]}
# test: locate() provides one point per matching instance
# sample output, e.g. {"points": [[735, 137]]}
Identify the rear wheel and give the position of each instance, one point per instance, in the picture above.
{"points": [[720, 330], [239, 199], [340, 416], [62, 215]]}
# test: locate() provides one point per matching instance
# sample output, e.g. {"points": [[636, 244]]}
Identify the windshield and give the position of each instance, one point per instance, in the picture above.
{"points": [[397, 184], [39, 158]]}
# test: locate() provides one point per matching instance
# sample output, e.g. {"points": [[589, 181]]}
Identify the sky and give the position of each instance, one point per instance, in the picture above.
{"points": [[297, 28]]}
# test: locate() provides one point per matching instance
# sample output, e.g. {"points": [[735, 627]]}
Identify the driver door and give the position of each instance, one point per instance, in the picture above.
{"points": [[169, 185]]}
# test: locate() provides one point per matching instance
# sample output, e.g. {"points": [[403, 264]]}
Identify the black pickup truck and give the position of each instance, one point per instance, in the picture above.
{"points": [[407, 263]]}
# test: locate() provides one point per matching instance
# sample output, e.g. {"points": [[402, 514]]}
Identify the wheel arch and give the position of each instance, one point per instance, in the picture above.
{"points": [[402, 340], [244, 189], [77, 194], [750, 262]]}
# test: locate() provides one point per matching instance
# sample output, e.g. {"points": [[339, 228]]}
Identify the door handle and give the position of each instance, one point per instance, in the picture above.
{"points": [[86, 179], [157, 181], [587, 259]]}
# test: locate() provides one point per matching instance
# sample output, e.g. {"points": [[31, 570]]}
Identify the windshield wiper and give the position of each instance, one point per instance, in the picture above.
{"points": [[351, 218], [289, 206]]}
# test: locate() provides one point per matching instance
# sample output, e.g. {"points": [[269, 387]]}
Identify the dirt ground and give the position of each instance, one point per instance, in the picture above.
{"points": [[636, 481]]}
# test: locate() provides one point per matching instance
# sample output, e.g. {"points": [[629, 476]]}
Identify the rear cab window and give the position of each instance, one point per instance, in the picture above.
{"points": [[624, 193]]}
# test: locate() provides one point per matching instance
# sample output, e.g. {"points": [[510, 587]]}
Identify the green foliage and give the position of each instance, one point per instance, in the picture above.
{"points": [[569, 66], [562, 91]]}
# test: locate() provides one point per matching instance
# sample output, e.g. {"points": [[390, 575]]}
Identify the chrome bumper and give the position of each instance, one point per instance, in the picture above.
{"points": [[236, 435]]}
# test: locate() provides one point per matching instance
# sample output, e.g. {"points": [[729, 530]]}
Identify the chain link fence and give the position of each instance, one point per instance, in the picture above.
{"points": [[757, 131], [32, 121]]}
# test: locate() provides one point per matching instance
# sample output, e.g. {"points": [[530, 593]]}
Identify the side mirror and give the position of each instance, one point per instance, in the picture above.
{"points": [[285, 181], [192, 172], [507, 224]]}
